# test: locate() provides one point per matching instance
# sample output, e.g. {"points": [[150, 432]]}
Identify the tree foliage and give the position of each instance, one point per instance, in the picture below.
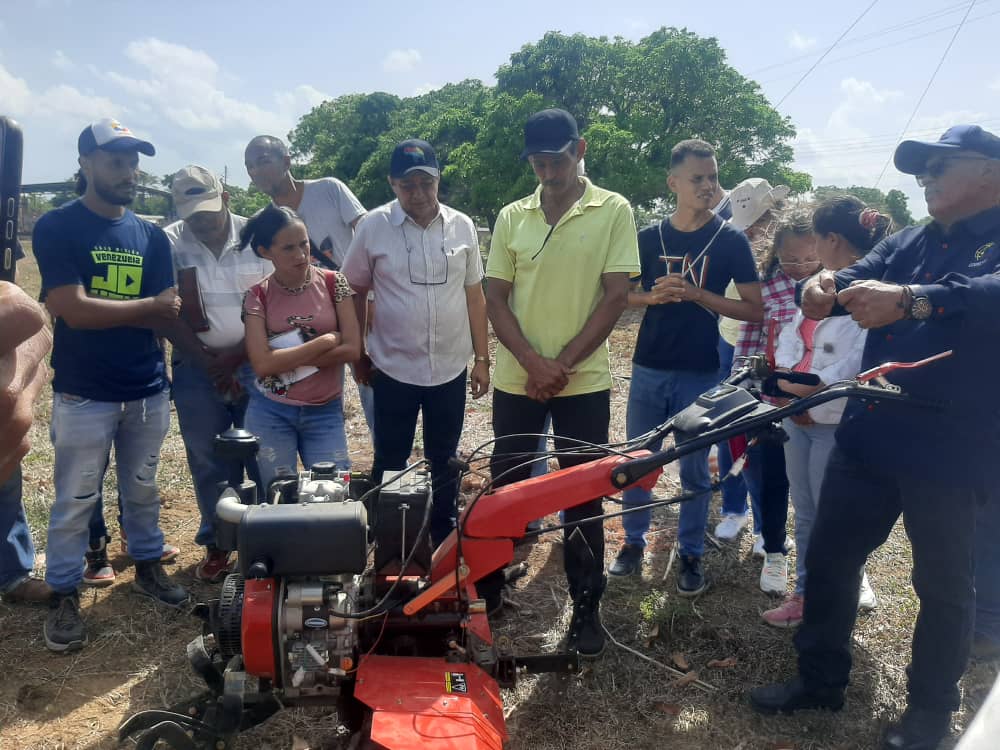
{"points": [[244, 202], [893, 203], [632, 100]]}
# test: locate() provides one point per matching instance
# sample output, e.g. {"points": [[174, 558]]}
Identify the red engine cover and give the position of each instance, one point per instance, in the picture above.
{"points": [[260, 597], [423, 703]]}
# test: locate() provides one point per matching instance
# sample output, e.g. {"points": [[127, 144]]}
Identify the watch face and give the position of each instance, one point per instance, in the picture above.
{"points": [[920, 309]]}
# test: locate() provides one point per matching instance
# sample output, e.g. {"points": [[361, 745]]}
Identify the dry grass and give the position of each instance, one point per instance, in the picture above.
{"points": [[136, 660]]}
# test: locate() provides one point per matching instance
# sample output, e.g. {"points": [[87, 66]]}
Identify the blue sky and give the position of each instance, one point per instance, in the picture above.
{"points": [[201, 80]]}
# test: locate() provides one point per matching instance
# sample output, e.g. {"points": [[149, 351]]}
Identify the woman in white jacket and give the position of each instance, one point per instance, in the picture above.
{"points": [[845, 230]]}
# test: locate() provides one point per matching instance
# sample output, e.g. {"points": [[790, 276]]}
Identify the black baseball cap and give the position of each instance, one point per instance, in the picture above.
{"points": [[911, 156], [413, 154], [550, 131]]}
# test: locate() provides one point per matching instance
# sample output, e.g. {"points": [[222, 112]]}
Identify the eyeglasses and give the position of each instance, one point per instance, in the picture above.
{"points": [[939, 167], [429, 271], [798, 264]]}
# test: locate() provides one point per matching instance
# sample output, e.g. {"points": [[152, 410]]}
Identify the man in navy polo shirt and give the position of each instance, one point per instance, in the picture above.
{"points": [[107, 279], [922, 291]]}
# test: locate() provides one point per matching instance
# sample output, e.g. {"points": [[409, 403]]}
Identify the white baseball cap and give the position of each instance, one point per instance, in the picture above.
{"points": [[110, 135]]}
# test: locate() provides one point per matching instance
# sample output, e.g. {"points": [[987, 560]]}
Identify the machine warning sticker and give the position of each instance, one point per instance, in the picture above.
{"points": [[454, 682]]}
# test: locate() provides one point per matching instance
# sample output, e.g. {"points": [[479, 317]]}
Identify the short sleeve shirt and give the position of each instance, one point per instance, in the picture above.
{"points": [[555, 273], [685, 335], [421, 334], [115, 259], [313, 312], [328, 207], [222, 280]]}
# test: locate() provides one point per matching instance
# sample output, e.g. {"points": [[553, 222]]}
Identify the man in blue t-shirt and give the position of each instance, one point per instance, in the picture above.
{"points": [[107, 279], [686, 261]]}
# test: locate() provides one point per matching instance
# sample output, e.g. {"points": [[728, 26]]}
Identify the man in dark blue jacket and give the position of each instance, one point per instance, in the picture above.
{"points": [[922, 291]]}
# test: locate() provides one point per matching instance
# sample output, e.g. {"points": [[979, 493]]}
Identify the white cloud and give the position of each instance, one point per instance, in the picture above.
{"points": [[846, 150], [426, 89], [62, 62], [300, 99], [995, 86], [184, 86], [14, 93], [401, 60], [171, 59], [75, 104], [63, 100], [800, 42]]}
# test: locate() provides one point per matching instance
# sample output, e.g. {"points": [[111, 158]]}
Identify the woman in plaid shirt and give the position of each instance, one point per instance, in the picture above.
{"points": [[792, 257]]}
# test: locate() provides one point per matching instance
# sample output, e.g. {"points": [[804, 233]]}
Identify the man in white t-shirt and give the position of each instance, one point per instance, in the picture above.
{"points": [[327, 206]]}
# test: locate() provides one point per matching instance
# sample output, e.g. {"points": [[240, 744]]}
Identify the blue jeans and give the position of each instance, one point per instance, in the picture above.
{"points": [[316, 433], [807, 453], [735, 489], [82, 433], [17, 553], [653, 397], [202, 414], [988, 568]]}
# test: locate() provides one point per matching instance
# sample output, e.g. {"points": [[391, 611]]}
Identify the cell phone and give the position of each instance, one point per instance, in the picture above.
{"points": [[11, 159]]}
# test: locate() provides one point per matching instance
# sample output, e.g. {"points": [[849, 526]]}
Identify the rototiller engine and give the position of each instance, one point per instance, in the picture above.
{"points": [[340, 601]]}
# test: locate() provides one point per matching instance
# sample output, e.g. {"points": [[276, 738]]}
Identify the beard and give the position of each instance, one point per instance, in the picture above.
{"points": [[117, 195]]}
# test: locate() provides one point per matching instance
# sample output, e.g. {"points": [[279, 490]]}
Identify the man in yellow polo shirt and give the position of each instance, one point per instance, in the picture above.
{"points": [[559, 268]]}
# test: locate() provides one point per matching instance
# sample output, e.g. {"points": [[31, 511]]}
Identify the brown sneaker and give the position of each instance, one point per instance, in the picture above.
{"points": [[29, 591], [214, 566]]}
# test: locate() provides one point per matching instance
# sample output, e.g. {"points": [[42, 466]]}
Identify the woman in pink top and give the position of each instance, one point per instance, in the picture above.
{"points": [[300, 330], [844, 230]]}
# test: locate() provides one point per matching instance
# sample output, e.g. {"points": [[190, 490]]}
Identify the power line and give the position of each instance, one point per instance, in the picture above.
{"points": [[927, 87], [852, 140], [915, 21], [828, 51], [881, 47]]}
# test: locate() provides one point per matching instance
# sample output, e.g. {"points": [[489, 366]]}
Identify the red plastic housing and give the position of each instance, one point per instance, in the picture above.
{"points": [[260, 597], [430, 704]]}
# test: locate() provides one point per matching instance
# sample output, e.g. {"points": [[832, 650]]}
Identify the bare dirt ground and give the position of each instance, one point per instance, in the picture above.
{"points": [[135, 658]]}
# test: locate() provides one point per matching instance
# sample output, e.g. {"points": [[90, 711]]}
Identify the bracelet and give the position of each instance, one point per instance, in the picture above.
{"points": [[483, 359], [905, 302]]}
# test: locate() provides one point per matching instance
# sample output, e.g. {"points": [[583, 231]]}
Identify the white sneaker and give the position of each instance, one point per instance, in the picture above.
{"points": [[867, 601], [774, 574], [758, 545], [730, 526]]}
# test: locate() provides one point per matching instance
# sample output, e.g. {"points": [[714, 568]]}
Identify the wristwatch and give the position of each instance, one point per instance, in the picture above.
{"points": [[919, 308]]}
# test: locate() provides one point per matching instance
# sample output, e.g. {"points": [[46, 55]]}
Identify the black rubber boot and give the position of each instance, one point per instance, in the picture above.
{"points": [[586, 633], [918, 729], [793, 695]]}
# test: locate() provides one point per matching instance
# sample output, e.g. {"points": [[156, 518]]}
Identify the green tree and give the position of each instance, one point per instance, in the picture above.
{"points": [[896, 205], [667, 87], [337, 137], [893, 203], [246, 202], [632, 100]]}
